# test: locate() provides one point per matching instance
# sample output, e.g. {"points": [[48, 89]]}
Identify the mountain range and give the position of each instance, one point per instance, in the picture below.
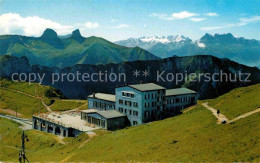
{"points": [[200, 64], [62, 51], [238, 49]]}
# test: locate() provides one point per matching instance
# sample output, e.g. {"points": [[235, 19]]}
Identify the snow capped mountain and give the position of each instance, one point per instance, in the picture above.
{"points": [[226, 45], [153, 40], [150, 42], [163, 39]]}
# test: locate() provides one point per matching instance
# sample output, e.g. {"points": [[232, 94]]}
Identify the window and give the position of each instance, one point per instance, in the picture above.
{"points": [[135, 113], [128, 94], [125, 102], [120, 110], [103, 123], [146, 114], [135, 104], [121, 101], [132, 95], [123, 93], [125, 111], [89, 119], [130, 112], [95, 104]]}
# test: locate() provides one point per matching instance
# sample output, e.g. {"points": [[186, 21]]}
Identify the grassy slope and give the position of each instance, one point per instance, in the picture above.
{"points": [[29, 105], [192, 136], [63, 105], [238, 101], [24, 104]]}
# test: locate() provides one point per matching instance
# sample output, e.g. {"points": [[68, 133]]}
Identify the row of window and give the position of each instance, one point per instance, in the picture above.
{"points": [[147, 96], [128, 111], [147, 104], [104, 106], [148, 114], [174, 109], [127, 94], [128, 103], [178, 100]]}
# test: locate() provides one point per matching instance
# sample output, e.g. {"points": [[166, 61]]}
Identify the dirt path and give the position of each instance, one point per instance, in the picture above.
{"points": [[245, 115], [46, 106], [37, 97], [11, 112], [26, 94], [220, 117], [91, 135]]}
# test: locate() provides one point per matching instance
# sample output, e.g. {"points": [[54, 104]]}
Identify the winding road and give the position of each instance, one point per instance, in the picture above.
{"points": [[26, 123]]}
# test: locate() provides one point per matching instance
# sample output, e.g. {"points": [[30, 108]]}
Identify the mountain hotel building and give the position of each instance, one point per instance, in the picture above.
{"points": [[136, 104]]}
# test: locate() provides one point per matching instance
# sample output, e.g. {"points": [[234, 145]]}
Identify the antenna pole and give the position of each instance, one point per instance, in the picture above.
{"points": [[22, 156]]}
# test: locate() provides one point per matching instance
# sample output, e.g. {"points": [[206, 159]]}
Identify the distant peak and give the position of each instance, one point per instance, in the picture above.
{"points": [[76, 33], [77, 36], [49, 33]]}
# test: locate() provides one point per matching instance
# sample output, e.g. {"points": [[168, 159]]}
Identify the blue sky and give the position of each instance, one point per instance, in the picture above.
{"points": [[117, 20]]}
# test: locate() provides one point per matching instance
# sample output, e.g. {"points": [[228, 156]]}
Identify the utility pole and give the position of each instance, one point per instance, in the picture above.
{"points": [[22, 156]]}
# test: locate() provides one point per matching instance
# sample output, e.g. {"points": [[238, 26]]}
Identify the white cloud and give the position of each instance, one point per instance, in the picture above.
{"points": [[242, 22], [250, 19], [197, 19], [162, 16], [223, 26], [12, 23], [183, 15], [174, 16], [211, 14], [145, 25], [89, 25], [121, 26]]}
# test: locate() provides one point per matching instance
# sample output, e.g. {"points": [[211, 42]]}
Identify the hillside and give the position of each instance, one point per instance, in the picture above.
{"points": [[51, 50], [239, 49], [27, 99], [200, 64], [192, 136], [245, 98]]}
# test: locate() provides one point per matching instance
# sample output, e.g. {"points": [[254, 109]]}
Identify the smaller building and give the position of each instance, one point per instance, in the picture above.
{"points": [[63, 124], [101, 101], [106, 119]]}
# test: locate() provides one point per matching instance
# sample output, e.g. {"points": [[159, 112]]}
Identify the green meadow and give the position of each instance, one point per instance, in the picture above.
{"points": [[26, 99], [192, 136]]}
